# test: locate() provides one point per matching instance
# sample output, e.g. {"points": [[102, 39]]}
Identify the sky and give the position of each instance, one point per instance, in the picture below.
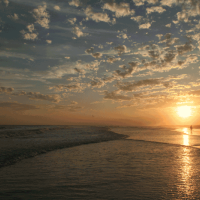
{"points": [[117, 62]]}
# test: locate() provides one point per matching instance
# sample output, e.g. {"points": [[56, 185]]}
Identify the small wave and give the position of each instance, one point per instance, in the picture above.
{"points": [[27, 131], [13, 150]]}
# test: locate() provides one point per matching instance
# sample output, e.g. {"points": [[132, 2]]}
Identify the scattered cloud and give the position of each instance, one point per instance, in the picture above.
{"points": [[75, 87], [187, 47], [145, 26], [168, 3], [139, 2], [116, 96], [55, 98], [112, 60], [90, 50], [14, 17], [97, 17], [6, 90], [121, 10], [6, 2], [30, 27], [121, 49], [133, 86], [168, 25], [97, 55], [57, 7], [137, 18], [42, 16], [30, 36], [76, 3], [78, 32], [97, 83], [72, 20], [158, 9], [49, 41], [127, 71]]}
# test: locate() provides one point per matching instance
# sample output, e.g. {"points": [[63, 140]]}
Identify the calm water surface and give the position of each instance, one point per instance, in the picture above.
{"points": [[159, 163]]}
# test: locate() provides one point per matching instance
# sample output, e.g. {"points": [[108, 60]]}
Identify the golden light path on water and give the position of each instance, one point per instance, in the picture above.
{"points": [[186, 167]]}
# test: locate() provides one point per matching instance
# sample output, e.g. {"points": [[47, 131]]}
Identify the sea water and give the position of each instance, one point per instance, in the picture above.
{"points": [[82, 162]]}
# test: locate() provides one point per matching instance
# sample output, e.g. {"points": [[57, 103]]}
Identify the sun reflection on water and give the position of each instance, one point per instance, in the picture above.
{"points": [[186, 131], [186, 172], [185, 140]]}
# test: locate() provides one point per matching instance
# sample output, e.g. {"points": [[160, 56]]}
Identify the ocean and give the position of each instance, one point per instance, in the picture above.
{"points": [[90, 162]]}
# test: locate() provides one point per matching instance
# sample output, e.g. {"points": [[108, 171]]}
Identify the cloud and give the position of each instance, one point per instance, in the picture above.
{"points": [[159, 36], [197, 38], [38, 96], [169, 40], [116, 96], [121, 49], [58, 72], [76, 3], [30, 36], [97, 55], [127, 71], [162, 62], [194, 93], [109, 79], [76, 30], [189, 9], [75, 87], [154, 54], [137, 18], [112, 60], [15, 16], [132, 86], [72, 20], [168, 3], [168, 25], [187, 47], [81, 71], [97, 83], [6, 2], [121, 10], [169, 61], [175, 22], [74, 102], [6, 90], [146, 83], [30, 27], [14, 55], [97, 17], [123, 35], [158, 9], [139, 2], [42, 16], [90, 50], [17, 106], [49, 41], [145, 26], [56, 7]]}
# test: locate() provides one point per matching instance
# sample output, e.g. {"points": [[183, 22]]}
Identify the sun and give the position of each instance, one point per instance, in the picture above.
{"points": [[184, 111]]}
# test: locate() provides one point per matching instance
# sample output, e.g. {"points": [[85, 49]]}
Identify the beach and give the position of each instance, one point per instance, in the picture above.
{"points": [[147, 163]]}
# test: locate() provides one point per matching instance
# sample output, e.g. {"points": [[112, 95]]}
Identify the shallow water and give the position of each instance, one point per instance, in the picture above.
{"points": [[120, 169]]}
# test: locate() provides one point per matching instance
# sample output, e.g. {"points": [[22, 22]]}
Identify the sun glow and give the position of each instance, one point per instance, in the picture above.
{"points": [[184, 111]]}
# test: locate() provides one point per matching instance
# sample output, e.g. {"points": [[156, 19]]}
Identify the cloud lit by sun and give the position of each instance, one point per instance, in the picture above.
{"points": [[184, 111]]}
